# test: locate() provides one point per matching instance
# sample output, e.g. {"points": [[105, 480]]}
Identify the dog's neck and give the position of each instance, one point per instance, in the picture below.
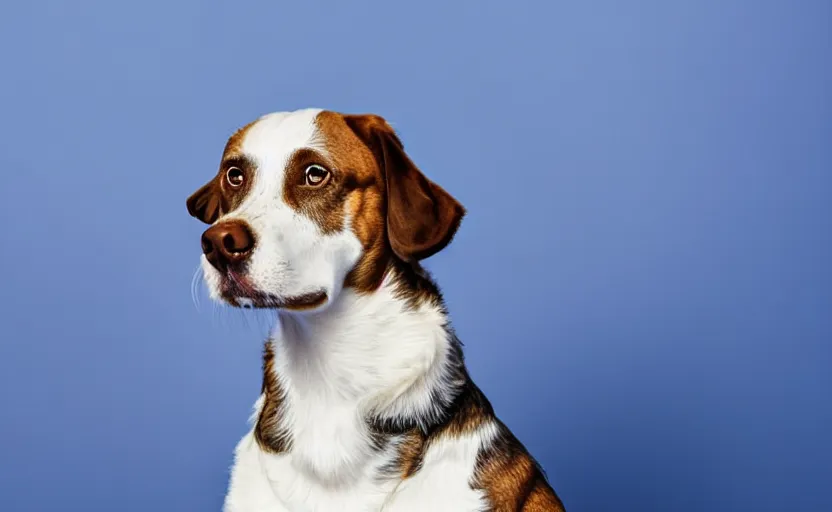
{"points": [[385, 360], [390, 352]]}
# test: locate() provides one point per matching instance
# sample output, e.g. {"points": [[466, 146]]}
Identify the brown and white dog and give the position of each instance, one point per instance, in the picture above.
{"points": [[366, 404]]}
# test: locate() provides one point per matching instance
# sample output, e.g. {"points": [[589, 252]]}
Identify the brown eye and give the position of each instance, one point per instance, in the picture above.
{"points": [[234, 176], [316, 176]]}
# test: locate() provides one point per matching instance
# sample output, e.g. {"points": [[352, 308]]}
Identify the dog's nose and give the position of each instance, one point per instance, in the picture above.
{"points": [[227, 243]]}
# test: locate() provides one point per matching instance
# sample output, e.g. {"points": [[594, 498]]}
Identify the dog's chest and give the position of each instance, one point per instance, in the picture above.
{"points": [[264, 482], [298, 490], [267, 482]]}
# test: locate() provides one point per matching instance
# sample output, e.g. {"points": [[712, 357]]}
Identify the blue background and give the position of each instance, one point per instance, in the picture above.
{"points": [[643, 281]]}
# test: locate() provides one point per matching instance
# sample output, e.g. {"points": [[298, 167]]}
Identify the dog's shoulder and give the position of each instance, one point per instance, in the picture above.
{"points": [[472, 459], [505, 471]]}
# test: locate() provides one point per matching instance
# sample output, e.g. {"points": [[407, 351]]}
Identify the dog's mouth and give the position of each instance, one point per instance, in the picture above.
{"points": [[237, 290]]}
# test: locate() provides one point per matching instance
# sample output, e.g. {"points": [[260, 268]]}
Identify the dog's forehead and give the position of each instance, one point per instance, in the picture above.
{"points": [[273, 138]]}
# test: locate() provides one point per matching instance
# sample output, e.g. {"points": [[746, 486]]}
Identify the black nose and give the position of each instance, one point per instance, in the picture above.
{"points": [[227, 243]]}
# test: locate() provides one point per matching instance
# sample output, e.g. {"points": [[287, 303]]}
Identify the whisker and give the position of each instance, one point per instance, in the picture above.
{"points": [[195, 281]]}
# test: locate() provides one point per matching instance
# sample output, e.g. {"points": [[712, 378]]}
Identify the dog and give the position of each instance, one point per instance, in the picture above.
{"points": [[366, 403]]}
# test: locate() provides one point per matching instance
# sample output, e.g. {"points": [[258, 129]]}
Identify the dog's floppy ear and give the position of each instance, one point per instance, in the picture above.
{"points": [[422, 217], [204, 204]]}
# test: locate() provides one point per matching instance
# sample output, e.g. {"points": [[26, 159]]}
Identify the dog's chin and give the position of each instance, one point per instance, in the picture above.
{"points": [[238, 291]]}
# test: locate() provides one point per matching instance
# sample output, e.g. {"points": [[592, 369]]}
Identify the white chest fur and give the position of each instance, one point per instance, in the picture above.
{"points": [[364, 355], [263, 482]]}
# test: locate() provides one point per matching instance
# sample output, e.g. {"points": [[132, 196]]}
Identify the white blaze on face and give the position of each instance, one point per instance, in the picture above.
{"points": [[292, 256]]}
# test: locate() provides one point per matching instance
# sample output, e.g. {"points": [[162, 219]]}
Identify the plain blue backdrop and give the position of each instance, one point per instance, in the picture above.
{"points": [[642, 283]]}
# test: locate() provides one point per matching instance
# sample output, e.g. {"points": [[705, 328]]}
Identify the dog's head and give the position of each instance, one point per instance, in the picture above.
{"points": [[306, 203]]}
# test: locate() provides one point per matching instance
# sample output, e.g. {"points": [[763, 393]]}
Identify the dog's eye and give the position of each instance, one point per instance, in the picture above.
{"points": [[234, 176], [316, 176]]}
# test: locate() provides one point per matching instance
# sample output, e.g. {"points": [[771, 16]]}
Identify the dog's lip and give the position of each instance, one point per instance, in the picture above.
{"points": [[239, 291], [302, 302]]}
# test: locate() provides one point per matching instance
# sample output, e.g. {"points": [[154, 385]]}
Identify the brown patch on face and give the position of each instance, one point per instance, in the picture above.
{"points": [[358, 185], [268, 433], [218, 197], [324, 204], [398, 215]]}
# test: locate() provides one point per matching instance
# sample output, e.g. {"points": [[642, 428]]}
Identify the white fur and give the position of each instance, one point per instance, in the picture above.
{"points": [[356, 355]]}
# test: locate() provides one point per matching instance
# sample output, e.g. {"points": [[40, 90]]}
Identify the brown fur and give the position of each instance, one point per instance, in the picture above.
{"points": [[216, 197], [359, 179], [512, 479], [421, 217], [268, 433], [395, 232]]}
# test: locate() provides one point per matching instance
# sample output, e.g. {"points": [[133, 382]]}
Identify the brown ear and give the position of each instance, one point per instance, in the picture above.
{"points": [[422, 217], [204, 204]]}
